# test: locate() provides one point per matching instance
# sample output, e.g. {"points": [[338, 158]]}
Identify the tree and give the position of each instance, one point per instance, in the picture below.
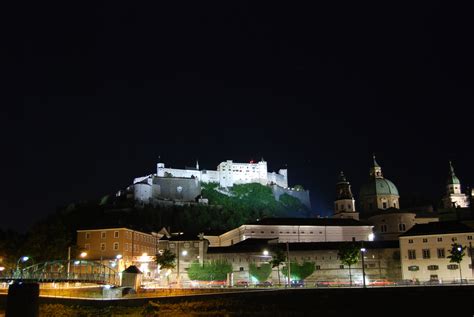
{"points": [[278, 258], [349, 255], [298, 187], [262, 272], [215, 270], [299, 271], [166, 260], [457, 254]]}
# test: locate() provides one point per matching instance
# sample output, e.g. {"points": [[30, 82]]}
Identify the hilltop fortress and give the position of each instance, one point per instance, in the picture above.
{"points": [[184, 185]]}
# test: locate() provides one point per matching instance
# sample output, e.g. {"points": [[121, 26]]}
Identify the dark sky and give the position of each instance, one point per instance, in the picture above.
{"points": [[100, 90]]}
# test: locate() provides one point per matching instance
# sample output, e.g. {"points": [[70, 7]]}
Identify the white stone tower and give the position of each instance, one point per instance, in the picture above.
{"points": [[454, 197]]}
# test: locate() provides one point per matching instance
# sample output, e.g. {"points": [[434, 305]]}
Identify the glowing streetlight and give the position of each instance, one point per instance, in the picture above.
{"points": [[184, 253], [118, 257], [363, 250], [83, 254], [2, 268], [265, 252]]}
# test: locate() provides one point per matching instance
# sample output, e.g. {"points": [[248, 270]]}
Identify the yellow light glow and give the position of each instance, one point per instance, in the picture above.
{"points": [[83, 254]]}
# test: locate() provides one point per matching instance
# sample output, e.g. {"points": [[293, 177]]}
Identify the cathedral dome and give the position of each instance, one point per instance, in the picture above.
{"points": [[378, 186]]}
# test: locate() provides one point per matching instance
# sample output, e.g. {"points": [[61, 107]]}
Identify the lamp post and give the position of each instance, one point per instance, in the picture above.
{"points": [[362, 251], [460, 272], [288, 263], [22, 259]]}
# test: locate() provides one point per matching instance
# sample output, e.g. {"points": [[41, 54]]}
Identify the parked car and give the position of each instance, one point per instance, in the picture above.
{"points": [[432, 282], [381, 282], [264, 284], [297, 283], [242, 284]]}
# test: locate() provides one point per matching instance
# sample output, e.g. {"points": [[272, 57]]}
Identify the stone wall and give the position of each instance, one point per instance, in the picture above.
{"points": [[302, 195]]}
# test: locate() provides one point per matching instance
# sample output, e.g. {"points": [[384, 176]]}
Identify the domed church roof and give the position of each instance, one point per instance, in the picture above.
{"points": [[379, 186]]}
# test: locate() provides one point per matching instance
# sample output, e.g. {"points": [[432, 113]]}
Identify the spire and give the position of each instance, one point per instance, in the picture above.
{"points": [[452, 178], [375, 162], [376, 170], [197, 164], [342, 178]]}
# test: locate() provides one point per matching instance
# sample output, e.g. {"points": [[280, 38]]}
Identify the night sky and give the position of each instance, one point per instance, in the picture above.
{"points": [[101, 90]]}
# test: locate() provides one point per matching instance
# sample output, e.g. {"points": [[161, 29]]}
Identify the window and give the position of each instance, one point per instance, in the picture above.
{"points": [[196, 245], [413, 268], [88, 235], [116, 234], [341, 266], [318, 267], [186, 245], [441, 253], [264, 232], [469, 237], [172, 247], [454, 239], [102, 247], [433, 267], [274, 232], [126, 246], [434, 277], [371, 265], [384, 205], [241, 269], [87, 246], [440, 239], [383, 228], [452, 266], [116, 245], [425, 240], [426, 253], [401, 227], [412, 254], [102, 235], [410, 240]]}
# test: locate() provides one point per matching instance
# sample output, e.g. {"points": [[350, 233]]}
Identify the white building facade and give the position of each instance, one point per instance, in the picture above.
{"points": [[425, 249], [296, 230]]}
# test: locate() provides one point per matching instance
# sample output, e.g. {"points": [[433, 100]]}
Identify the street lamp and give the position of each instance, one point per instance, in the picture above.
{"points": [[460, 272], [83, 254], [363, 250], [265, 252], [22, 259]]}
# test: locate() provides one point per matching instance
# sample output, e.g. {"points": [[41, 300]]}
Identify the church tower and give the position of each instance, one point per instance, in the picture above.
{"points": [[454, 197], [344, 205]]}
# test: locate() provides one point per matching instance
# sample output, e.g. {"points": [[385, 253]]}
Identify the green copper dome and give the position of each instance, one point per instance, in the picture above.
{"points": [[378, 186]]}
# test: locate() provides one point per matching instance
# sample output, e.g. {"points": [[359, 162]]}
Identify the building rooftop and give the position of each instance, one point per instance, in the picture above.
{"points": [[258, 245], [445, 227], [308, 222]]}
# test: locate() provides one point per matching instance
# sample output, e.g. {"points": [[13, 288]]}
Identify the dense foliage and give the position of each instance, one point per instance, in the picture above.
{"points": [[166, 260], [349, 255], [299, 271], [215, 270], [262, 272]]}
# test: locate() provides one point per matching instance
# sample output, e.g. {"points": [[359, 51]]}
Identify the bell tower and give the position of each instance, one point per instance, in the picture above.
{"points": [[344, 204]]}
